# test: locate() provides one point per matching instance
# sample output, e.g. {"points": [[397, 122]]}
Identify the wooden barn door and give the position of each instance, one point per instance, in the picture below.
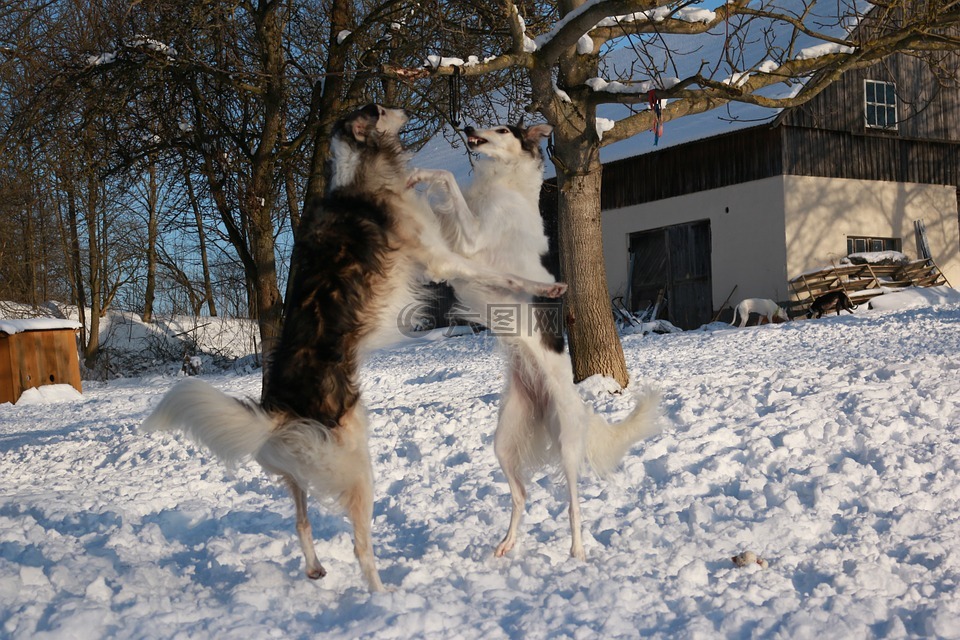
{"points": [[675, 260]]}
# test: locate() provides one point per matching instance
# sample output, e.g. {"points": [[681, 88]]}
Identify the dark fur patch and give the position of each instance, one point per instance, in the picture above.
{"points": [[342, 251], [529, 145], [548, 322]]}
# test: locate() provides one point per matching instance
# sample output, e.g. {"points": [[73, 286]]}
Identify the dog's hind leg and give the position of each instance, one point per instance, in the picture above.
{"points": [[314, 569], [570, 423], [571, 471], [357, 499], [358, 502], [515, 412]]}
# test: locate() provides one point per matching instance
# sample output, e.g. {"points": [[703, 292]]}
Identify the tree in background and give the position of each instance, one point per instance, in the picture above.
{"points": [[243, 95], [661, 60]]}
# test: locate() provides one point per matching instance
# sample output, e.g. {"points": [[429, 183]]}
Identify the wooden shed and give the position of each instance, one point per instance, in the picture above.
{"points": [[35, 352]]}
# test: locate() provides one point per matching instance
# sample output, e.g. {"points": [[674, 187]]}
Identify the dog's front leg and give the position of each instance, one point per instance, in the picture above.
{"points": [[466, 227], [444, 265]]}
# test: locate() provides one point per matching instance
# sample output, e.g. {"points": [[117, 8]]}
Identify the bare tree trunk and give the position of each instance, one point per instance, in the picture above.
{"points": [[594, 343], [266, 292], [328, 97], [202, 238], [31, 242], [92, 348], [46, 234], [293, 201], [152, 217], [260, 196], [76, 263]]}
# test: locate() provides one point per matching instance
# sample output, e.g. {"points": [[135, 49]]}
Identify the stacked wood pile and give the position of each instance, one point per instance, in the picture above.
{"points": [[862, 282]]}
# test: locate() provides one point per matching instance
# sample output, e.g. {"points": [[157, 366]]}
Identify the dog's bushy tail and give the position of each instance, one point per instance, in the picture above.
{"points": [[607, 443], [233, 430]]}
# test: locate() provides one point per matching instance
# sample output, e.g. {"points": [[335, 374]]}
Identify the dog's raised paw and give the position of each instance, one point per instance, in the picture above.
{"points": [[555, 290]]}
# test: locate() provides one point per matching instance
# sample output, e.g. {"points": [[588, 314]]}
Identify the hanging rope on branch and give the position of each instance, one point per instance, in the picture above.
{"points": [[455, 116]]}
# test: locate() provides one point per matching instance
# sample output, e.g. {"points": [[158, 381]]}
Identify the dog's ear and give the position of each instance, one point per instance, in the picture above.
{"points": [[539, 131]]}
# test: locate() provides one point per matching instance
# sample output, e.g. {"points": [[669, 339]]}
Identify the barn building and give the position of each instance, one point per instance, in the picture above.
{"points": [[745, 208]]}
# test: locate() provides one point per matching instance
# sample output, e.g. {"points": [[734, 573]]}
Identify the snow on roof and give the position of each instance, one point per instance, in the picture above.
{"points": [[754, 56], [686, 56], [11, 327]]}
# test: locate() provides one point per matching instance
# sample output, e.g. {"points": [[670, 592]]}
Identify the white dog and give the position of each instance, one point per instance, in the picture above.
{"points": [[542, 417], [361, 251], [766, 308]]}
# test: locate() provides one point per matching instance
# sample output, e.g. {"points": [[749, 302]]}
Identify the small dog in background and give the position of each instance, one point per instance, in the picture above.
{"points": [[764, 307], [838, 300]]}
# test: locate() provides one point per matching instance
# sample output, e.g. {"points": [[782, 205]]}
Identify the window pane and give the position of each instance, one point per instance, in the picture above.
{"points": [[891, 94], [881, 120], [891, 116], [870, 92], [860, 244], [850, 248], [876, 245], [871, 115]]}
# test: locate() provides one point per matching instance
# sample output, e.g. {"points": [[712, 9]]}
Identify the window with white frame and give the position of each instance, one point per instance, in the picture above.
{"points": [[880, 100]]}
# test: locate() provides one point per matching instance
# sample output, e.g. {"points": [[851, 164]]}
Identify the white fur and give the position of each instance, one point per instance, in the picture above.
{"points": [[232, 430], [342, 172], [542, 418], [307, 455], [334, 463], [766, 308]]}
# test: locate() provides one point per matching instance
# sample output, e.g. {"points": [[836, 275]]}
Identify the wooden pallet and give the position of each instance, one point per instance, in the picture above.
{"points": [[862, 282]]}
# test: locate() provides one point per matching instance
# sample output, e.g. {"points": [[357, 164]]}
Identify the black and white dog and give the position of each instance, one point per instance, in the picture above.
{"points": [[360, 253], [542, 417]]}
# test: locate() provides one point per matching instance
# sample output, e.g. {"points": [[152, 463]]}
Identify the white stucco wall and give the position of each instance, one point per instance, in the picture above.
{"points": [[766, 231], [821, 212], [747, 233]]}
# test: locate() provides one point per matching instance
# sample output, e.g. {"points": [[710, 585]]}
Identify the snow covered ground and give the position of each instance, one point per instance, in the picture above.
{"points": [[829, 447]]}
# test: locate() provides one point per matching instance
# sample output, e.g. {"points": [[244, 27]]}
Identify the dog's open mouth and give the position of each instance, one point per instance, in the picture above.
{"points": [[475, 141]]}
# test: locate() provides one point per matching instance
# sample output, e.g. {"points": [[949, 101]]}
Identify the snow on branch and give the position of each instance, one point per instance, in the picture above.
{"points": [[435, 62], [640, 88], [685, 14], [137, 43], [603, 20], [824, 49]]}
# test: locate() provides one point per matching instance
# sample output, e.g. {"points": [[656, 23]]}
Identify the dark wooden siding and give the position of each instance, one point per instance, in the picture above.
{"points": [[826, 137], [837, 154], [925, 109], [720, 161], [764, 152]]}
